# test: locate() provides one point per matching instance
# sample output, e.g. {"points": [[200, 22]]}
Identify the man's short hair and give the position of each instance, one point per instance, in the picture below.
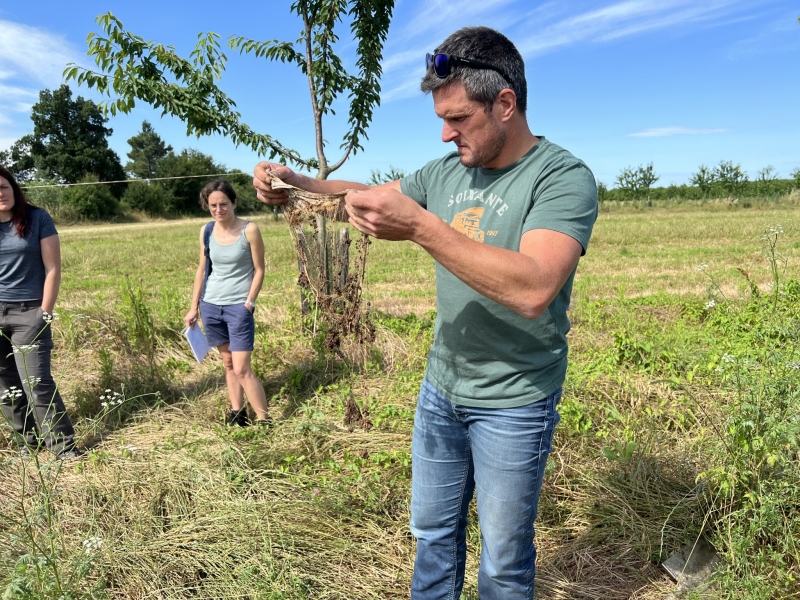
{"points": [[482, 85]]}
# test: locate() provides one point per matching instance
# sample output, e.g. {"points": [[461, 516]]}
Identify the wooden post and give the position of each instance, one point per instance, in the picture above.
{"points": [[305, 309], [343, 253]]}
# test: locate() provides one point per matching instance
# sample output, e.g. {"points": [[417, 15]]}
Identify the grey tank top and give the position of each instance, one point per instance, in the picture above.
{"points": [[231, 271]]}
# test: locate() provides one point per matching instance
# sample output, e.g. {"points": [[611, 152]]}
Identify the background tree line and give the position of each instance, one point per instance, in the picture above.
{"points": [[726, 180], [69, 145]]}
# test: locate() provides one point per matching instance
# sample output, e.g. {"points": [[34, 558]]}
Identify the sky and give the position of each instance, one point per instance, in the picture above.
{"points": [[619, 83]]}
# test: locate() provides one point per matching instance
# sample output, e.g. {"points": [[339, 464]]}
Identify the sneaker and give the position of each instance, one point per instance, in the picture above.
{"points": [[238, 418], [266, 422], [68, 455]]}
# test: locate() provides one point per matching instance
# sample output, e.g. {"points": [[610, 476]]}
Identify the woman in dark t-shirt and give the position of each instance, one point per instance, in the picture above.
{"points": [[30, 274]]}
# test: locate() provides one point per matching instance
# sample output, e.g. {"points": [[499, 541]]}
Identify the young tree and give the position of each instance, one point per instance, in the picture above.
{"points": [[766, 180], [69, 141], [647, 177], [730, 177], [628, 182], [135, 69], [147, 152], [602, 191], [796, 176], [377, 178], [704, 179]]}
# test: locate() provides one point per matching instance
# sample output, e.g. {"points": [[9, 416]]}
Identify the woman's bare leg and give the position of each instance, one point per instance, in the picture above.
{"points": [[251, 384]]}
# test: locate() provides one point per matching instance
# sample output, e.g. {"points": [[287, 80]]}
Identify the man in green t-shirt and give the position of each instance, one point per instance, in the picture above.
{"points": [[506, 216]]}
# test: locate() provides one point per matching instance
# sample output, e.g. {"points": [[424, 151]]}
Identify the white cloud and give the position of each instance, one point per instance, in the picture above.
{"points": [[31, 60], [407, 89], [622, 19], [34, 53], [670, 131], [445, 16]]}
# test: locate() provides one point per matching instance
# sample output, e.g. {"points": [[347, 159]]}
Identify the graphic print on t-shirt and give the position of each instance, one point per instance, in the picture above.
{"points": [[468, 222]]}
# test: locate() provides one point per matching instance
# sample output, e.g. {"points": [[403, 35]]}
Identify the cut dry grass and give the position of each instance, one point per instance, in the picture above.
{"points": [[319, 509]]}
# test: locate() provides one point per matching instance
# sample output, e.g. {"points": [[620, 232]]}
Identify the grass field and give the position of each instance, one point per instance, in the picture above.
{"points": [[319, 509]]}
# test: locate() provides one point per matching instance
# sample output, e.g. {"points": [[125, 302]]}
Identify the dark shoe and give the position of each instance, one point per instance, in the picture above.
{"points": [[67, 455], [238, 418], [266, 423]]}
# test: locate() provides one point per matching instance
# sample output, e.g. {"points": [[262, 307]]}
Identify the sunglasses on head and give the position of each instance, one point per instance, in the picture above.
{"points": [[443, 63]]}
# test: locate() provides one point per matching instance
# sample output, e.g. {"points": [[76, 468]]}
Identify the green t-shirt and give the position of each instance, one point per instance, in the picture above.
{"points": [[483, 353]]}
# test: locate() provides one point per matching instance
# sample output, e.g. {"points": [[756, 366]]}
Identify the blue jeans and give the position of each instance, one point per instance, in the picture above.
{"points": [[498, 452]]}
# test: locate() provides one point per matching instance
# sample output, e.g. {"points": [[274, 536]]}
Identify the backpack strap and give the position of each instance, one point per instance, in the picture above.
{"points": [[207, 252]]}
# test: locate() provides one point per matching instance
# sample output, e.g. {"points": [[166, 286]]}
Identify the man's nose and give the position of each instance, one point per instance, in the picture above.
{"points": [[448, 133]]}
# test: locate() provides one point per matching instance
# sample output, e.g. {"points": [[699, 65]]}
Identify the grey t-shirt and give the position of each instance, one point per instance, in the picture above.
{"points": [[483, 353], [232, 271], [21, 268]]}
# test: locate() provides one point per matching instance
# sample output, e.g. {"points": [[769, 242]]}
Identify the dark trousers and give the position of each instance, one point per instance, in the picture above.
{"points": [[28, 395]]}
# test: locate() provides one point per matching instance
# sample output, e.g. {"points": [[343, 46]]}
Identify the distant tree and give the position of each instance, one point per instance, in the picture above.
{"points": [[796, 176], [69, 142], [730, 177], [602, 191], [704, 179], [766, 180], [150, 197], [392, 174], [18, 159], [628, 182], [90, 201], [647, 177], [147, 151], [190, 165]]}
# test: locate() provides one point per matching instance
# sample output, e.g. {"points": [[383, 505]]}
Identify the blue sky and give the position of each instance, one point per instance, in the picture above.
{"points": [[619, 83]]}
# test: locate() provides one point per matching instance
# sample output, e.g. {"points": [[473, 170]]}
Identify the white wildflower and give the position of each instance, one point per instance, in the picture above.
{"points": [[104, 404], [92, 544], [25, 348], [11, 393], [702, 267], [727, 358], [794, 364], [711, 304]]}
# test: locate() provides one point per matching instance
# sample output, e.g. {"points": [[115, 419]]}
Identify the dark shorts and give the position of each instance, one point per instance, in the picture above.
{"points": [[233, 324]]}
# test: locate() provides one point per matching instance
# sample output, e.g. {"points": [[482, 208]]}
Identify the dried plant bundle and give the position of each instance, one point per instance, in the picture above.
{"points": [[325, 273]]}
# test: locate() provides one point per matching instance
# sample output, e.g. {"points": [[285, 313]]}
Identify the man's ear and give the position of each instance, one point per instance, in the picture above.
{"points": [[506, 102]]}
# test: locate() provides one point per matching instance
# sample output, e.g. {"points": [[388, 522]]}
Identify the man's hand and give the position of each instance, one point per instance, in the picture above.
{"points": [[263, 185], [385, 213]]}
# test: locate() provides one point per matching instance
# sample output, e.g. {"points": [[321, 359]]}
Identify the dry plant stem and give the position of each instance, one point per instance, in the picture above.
{"points": [[337, 294]]}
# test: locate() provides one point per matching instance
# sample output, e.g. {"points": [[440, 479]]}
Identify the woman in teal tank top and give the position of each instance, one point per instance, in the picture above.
{"points": [[226, 299]]}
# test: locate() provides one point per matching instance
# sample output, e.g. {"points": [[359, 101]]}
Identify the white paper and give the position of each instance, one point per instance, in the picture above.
{"points": [[197, 341]]}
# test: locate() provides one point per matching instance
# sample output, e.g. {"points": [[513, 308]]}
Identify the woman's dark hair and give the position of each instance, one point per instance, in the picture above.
{"points": [[217, 185], [20, 213]]}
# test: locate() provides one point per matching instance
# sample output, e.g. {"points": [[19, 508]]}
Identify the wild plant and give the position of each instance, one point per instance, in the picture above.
{"points": [[753, 490], [48, 565]]}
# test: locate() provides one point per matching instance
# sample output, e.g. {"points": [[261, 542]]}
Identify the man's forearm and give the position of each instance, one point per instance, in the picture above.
{"points": [[516, 280], [324, 186]]}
